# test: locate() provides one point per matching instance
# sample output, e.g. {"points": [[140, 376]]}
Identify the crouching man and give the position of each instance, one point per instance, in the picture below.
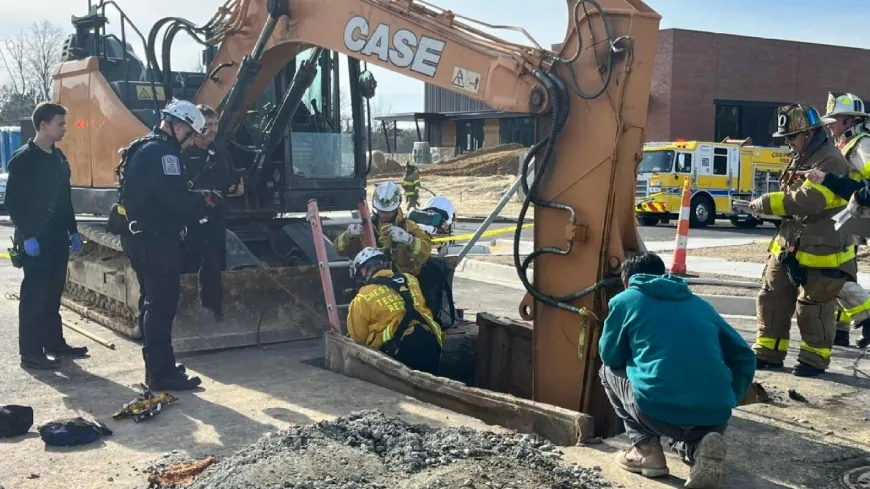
{"points": [[389, 314], [672, 368]]}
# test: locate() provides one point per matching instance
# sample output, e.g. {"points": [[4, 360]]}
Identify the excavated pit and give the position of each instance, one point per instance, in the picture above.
{"points": [[369, 450]]}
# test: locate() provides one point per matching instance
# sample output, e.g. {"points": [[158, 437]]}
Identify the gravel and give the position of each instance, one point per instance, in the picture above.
{"points": [[369, 450]]}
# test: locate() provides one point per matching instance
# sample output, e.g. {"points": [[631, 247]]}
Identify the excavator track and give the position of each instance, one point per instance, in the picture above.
{"points": [[261, 304]]}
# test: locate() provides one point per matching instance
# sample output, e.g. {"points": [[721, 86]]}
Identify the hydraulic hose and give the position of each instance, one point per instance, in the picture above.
{"points": [[608, 71]]}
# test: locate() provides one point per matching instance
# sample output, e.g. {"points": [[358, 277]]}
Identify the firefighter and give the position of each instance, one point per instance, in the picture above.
{"points": [[389, 314], [845, 120], [158, 205], [809, 260], [411, 185], [206, 242], [406, 245]]}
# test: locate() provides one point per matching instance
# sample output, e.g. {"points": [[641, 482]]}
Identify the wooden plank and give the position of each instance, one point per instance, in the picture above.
{"points": [[503, 356], [559, 426]]}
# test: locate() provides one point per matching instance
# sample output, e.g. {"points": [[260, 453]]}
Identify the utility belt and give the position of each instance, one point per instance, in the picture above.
{"points": [[797, 273], [400, 284]]}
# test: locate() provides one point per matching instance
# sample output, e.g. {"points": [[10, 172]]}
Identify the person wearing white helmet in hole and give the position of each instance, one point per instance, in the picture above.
{"points": [[407, 246]]}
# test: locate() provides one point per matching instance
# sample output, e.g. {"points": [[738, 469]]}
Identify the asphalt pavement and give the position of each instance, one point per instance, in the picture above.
{"points": [[722, 229]]}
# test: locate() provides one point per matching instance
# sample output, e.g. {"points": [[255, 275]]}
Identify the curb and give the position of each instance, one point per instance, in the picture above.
{"points": [[506, 276]]}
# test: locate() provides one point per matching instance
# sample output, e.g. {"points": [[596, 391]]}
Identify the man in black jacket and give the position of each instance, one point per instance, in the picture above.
{"points": [[206, 242], [39, 204]]}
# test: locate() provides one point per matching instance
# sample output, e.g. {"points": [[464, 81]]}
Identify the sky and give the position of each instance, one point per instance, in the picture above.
{"points": [[795, 20]]}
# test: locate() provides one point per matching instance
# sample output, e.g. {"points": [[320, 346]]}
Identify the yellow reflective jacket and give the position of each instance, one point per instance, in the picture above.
{"points": [[807, 208], [411, 183], [377, 310], [406, 258]]}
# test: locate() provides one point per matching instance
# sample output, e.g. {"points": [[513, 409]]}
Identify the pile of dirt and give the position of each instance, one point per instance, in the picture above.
{"points": [[368, 450], [498, 160]]}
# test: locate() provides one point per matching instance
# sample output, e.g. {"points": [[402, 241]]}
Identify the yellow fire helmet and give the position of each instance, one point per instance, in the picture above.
{"points": [[847, 104], [795, 119]]}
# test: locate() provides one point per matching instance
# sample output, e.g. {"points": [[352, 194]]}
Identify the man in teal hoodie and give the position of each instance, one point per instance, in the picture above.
{"points": [[673, 368]]}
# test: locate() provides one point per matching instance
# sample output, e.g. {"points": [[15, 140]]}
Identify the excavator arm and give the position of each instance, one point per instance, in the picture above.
{"points": [[591, 102]]}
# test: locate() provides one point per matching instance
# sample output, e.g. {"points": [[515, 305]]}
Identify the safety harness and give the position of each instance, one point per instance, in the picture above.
{"points": [[119, 222], [399, 283]]}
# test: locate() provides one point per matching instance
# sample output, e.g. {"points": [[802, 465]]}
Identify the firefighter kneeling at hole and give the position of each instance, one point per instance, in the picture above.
{"points": [[809, 260], [846, 122], [389, 314], [407, 245]]}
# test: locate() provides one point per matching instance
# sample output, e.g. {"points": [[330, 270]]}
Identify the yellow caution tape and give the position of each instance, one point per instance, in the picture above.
{"points": [[487, 234], [4, 256]]}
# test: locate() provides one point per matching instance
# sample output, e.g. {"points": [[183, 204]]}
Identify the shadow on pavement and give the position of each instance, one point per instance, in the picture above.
{"points": [[192, 423]]}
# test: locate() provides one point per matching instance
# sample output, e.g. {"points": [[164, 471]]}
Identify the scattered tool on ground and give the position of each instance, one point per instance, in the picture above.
{"points": [[146, 405]]}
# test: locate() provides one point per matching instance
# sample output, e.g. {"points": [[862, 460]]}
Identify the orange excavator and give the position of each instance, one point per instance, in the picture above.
{"points": [[273, 72]]}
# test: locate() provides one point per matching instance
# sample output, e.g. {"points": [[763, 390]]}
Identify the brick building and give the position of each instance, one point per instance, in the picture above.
{"points": [[706, 86]]}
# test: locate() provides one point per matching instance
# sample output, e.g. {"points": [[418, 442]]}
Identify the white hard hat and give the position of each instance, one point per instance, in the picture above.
{"points": [[443, 204], [186, 112], [362, 258], [387, 197], [847, 104]]}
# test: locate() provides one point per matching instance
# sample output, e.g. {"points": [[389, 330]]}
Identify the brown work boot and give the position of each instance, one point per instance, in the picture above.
{"points": [[646, 459], [709, 456]]}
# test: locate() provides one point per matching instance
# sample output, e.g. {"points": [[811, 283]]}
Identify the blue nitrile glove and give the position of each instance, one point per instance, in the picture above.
{"points": [[76, 242], [31, 247]]}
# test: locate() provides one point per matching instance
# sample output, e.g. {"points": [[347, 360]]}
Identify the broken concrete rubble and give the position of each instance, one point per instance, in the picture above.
{"points": [[369, 450]]}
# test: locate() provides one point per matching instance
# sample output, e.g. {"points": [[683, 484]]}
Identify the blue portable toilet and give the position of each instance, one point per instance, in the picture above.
{"points": [[5, 150]]}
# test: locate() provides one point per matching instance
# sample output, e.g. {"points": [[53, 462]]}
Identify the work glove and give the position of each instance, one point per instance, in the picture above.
{"points": [[31, 247], [399, 235], [76, 242], [354, 230]]}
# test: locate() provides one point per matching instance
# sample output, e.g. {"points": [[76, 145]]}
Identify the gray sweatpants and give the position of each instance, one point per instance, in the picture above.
{"points": [[639, 427]]}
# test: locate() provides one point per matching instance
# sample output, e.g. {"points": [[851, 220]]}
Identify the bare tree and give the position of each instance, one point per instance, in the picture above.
{"points": [[29, 59]]}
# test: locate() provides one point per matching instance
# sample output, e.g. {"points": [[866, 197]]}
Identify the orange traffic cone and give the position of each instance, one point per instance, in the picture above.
{"points": [[678, 266]]}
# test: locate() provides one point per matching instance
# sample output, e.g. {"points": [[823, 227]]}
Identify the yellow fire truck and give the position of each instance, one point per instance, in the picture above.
{"points": [[719, 174]]}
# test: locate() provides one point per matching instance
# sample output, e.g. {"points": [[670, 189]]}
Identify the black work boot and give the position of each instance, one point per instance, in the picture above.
{"points": [[36, 361], [176, 381], [841, 338], [765, 365], [804, 370], [65, 350]]}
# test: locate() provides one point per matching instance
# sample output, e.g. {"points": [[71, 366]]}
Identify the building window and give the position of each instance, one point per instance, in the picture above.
{"points": [[727, 122], [519, 130], [743, 119], [720, 161]]}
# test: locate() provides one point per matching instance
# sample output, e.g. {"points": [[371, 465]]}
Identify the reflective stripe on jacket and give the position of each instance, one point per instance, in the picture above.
{"points": [[406, 258], [807, 209], [377, 310]]}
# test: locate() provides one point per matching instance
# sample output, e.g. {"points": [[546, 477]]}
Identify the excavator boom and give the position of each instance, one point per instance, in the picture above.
{"points": [[590, 100]]}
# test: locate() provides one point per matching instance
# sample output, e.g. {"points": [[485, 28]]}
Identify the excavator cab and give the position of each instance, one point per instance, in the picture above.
{"points": [[296, 138]]}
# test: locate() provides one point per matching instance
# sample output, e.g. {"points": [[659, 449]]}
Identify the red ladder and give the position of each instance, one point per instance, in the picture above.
{"points": [[323, 259]]}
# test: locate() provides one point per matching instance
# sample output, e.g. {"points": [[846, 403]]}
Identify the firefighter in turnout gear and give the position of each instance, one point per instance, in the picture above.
{"points": [[389, 314], [809, 260], [846, 122], [406, 245], [411, 186], [158, 204]]}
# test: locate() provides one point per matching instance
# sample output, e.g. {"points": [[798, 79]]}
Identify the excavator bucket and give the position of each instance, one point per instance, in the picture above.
{"points": [[261, 304]]}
